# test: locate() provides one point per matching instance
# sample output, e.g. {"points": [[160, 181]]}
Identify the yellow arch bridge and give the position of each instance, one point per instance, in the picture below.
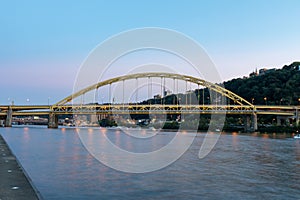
{"points": [[222, 102]]}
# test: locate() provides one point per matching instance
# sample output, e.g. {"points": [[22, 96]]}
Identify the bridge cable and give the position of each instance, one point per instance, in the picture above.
{"points": [[186, 96], [161, 92], [174, 90], [123, 99], [164, 92], [82, 99], [177, 93], [151, 93], [137, 90], [203, 96], [198, 94], [109, 94], [190, 93], [96, 96], [148, 81]]}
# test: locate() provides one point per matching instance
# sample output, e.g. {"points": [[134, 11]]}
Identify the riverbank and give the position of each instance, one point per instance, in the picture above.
{"points": [[14, 184]]}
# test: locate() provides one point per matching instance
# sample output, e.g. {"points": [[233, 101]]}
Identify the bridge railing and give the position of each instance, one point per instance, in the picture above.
{"points": [[153, 108]]}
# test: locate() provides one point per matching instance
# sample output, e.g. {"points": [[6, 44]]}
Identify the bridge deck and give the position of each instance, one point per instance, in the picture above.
{"points": [[145, 109]]}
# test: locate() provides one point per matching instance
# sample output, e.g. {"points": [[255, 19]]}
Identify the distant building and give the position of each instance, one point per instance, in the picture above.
{"points": [[297, 67], [253, 74], [158, 96], [167, 92], [265, 71], [262, 71]]}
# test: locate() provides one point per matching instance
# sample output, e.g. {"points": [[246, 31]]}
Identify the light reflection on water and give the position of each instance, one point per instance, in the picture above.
{"points": [[239, 167]]}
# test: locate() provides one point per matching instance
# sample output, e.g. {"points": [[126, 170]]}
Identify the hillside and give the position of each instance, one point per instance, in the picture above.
{"points": [[272, 87]]}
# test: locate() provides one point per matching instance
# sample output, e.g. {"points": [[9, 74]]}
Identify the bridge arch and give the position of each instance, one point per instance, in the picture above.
{"points": [[212, 86]]}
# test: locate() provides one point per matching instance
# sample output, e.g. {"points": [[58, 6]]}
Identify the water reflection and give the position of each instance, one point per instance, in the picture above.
{"points": [[255, 134], [297, 144], [90, 130], [265, 136], [240, 166], [235, 140], [26, 135]]}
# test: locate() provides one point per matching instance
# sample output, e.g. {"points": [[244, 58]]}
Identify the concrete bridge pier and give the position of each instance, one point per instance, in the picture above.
{"points": [[282, 120], [8, 120], [250, 123], [247, 124], [278, 121], [53, 120], [254, 122]]}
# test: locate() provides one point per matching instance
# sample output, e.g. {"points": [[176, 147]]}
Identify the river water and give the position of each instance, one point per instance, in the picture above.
{"points": [[239, 167]]}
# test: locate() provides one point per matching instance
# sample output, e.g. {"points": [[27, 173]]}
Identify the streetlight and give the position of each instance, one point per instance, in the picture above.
{"points": [[179, 101], [299, 101], [265, 98], [10, 101], [27, 100]]}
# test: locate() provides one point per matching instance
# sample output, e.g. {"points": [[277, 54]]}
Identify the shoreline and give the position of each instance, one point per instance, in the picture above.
{"points": [[270, 131], [15, 182]]}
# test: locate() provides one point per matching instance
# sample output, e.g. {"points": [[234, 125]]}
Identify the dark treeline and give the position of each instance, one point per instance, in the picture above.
{"points": [[275, 87], [272, 87]]}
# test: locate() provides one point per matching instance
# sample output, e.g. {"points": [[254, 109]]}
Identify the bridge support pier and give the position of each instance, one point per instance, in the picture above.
{"points": [[53, 120], [254, 122], [250, 124], [282, 120], [278, 120], [8, 120], [247, 124]]}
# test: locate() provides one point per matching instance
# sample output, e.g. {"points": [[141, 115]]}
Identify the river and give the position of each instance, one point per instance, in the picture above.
{"points": [[239, 167]]}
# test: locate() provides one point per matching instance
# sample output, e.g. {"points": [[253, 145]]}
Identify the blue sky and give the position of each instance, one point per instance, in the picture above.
{"points": [[43, 43]]}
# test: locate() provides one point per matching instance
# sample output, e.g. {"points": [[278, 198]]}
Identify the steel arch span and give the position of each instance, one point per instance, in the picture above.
{"points": [[200, 82]]}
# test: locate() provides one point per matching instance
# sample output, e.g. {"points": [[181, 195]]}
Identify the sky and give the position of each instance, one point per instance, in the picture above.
{"points": [[44, 43]]}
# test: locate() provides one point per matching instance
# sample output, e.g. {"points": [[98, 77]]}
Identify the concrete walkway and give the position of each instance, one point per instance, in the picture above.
{"points": [[14, 185]]}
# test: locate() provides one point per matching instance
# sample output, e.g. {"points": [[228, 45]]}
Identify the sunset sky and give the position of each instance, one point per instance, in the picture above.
{"points": [[43, 43]]}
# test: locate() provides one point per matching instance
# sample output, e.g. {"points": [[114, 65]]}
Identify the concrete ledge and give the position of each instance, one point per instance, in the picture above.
{"points": [[14, 184]]}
